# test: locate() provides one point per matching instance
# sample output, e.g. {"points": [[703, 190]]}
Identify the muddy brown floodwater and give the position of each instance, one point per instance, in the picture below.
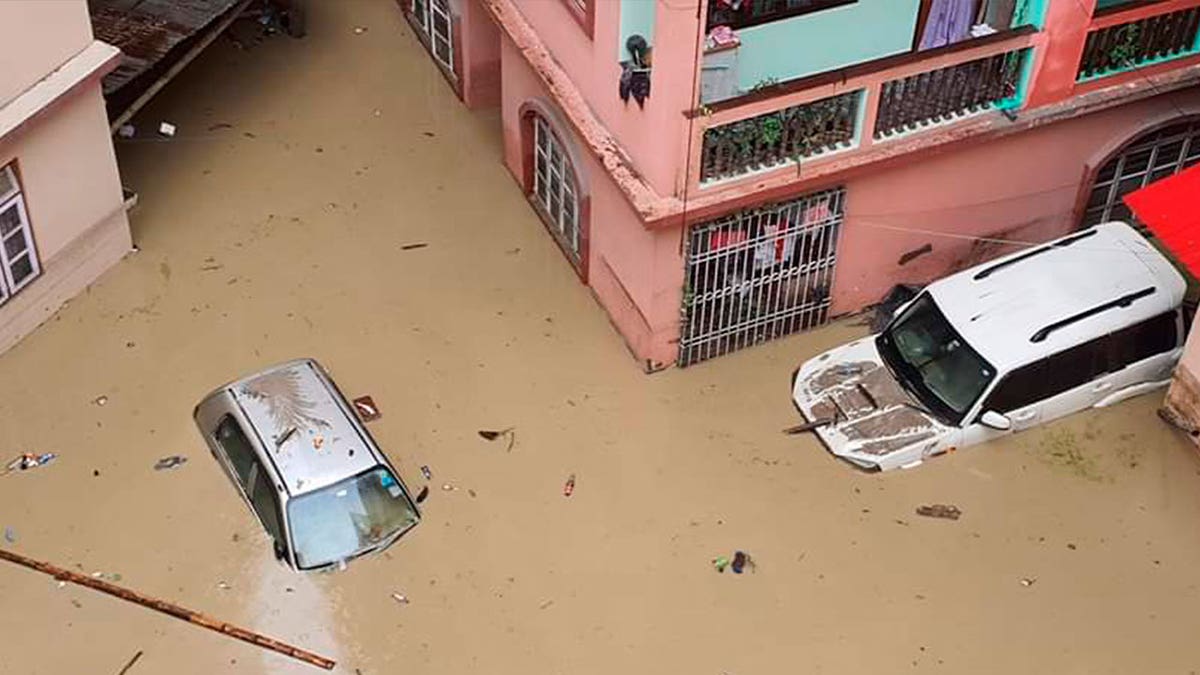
{"points": [[283, 235]]}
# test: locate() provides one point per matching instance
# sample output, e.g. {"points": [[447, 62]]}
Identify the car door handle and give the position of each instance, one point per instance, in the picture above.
{"points": [[1025, 416], [1102, 386]]}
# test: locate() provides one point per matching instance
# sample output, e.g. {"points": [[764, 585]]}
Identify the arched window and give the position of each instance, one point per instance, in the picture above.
{"points": [[1149, 157], [555, 189]]}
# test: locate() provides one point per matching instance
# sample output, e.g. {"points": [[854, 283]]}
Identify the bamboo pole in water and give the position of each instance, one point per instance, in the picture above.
{"points": [[171, 609]]}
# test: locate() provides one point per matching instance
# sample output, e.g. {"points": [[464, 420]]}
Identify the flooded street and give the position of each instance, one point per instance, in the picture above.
{"points": [[279, 223]]}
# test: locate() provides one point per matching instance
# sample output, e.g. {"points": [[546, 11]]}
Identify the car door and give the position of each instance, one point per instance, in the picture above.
{"points": [[1141, 354], [235, 452], [251, 476], [1063, 383]]}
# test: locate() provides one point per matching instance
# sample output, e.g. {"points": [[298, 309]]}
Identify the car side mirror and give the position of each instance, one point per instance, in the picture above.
{"points": [[280, 552], [995, 420]]}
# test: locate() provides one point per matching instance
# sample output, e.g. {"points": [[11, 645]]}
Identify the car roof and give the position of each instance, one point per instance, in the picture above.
{"points": [[1034, 303], [327, 444]]}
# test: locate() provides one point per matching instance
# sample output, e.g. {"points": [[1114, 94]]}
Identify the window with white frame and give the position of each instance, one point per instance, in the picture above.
{"points": [[554, 186], [433, 16], [18, 257]]}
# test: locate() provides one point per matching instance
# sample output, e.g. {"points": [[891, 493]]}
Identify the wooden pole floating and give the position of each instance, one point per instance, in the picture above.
{"points": [[131, 662], [171, 609]]}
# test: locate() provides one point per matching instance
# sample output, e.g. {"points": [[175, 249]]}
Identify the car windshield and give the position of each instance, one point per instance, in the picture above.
{"points": [[348, 518], [933, 361]]}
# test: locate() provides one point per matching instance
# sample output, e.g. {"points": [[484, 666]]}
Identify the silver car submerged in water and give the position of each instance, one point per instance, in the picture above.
{"points": [[306, 466]]}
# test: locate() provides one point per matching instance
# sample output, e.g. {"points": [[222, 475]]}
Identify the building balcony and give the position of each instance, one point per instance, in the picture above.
{"points": [[872, 103], [1118, 44], [755, 43]]}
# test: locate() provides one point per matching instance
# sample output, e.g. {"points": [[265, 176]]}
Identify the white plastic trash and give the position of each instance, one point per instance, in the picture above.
{"points": [[166, 129], [126, 131]]}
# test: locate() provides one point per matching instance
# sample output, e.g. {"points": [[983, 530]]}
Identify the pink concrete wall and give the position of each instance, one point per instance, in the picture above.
{"points": [[67, 168], [635, 273], [1023, 187], [656, 137], [37, 36], [480, 45], [72, 192], [1191, 353]]}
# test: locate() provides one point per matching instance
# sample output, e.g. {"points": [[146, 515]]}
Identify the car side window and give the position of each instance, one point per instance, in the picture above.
{"points": [[266, 502], [1050, 377], [1138, 342], [237, 448]]}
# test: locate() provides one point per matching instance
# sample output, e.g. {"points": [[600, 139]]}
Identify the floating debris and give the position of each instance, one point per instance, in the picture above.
{"points": [[741, 560], [569, 486], [400, 598], [100, 400], [426, 472], [720, 563], [359, 30], [423, 494], [947, 511], [493, 435], [166, 129], [1028, 581], [366, 408], [413, 247], [29, 461], [168, 463], [10, 535]]}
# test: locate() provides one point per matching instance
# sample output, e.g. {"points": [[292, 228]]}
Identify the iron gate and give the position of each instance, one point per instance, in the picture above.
{"points": [[760, 274]]}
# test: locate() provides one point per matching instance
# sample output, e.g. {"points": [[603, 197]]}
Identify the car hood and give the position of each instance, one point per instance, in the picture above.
{"points": [[871, 420]]}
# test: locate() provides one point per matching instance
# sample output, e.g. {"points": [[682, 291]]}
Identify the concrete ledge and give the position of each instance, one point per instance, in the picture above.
{"points": [[64, 276], [92, 63]]}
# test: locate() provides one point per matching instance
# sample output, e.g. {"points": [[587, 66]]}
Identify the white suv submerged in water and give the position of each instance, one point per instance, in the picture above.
{"points": [[1084, 321]]}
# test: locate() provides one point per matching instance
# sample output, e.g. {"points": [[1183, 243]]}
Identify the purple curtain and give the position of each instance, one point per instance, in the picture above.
{"points": [[949, 21]]}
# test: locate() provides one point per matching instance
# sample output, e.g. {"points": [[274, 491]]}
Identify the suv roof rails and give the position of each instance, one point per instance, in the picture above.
{"points": [[987, 272], [1123, 301]]}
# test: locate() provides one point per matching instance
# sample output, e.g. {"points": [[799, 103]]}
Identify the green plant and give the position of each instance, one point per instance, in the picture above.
{"points": [[770, 129], [764, 83], [1123, 52]]}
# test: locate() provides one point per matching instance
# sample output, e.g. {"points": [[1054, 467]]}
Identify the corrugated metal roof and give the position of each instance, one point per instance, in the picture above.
{"points": [[147, 31], [1171, 209]]}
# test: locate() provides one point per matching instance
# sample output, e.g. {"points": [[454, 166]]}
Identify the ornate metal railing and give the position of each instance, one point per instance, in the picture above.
{"points": [[946, 93], [1132, 44], [777, 137]]}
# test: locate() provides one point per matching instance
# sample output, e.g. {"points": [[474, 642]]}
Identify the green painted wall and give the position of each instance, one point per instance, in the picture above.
{"points": [[637, 18], [824, 40]]}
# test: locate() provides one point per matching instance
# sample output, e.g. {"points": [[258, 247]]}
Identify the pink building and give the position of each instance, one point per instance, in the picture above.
{"points": [[724, 172], [62, 213]]}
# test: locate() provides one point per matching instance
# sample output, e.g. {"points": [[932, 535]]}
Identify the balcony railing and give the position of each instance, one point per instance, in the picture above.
{"points": [[1148, 40], [775, 138], [745, 13], [944, 94]]}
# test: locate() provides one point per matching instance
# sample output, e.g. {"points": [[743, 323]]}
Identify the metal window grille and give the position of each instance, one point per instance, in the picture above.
{"points": [[433, 16], [760, 274], [18, 257], [1156, 155], [554, 185]]}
